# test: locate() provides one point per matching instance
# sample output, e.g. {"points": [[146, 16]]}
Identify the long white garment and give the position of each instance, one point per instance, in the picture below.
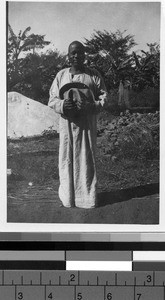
{"points": [[77, 166]]}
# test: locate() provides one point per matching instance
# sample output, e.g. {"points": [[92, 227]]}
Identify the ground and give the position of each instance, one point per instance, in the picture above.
{"points": [[128, 189]]}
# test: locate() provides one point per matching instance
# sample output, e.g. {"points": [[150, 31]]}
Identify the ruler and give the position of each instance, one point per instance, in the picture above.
{"points": [[81, 285]]}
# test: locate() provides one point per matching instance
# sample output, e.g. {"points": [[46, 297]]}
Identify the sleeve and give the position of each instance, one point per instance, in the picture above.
{"points": [[54, 101], [101, 100]]}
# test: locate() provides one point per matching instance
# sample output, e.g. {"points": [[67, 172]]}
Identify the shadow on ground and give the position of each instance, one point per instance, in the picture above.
{"points": [[116, 196], [34, 181]]}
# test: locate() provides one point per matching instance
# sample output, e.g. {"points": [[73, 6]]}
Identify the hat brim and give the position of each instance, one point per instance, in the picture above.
{"points": [[71, 85]]}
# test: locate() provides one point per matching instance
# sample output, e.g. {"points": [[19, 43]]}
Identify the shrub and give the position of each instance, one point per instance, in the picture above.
{"points": [[132, 136]]}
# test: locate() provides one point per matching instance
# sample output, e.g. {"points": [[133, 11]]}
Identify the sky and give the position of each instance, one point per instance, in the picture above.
{"points": [[64, 22]]}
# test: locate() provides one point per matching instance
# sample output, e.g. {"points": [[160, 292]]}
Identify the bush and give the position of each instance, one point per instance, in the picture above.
{"points": [[132, 136]]}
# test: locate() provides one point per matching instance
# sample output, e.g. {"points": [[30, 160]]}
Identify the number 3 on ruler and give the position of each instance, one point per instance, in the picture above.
{"points": [[20, 296]]}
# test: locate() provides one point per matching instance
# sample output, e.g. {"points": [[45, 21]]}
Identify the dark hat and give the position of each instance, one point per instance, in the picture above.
{"points": [[77, 91], [72, 85]]}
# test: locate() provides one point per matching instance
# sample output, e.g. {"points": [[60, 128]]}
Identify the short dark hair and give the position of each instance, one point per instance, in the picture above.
{"points": [[77, 43]]}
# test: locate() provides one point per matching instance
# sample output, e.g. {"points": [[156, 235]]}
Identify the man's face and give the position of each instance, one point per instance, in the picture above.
{"points": [[76, 55]]}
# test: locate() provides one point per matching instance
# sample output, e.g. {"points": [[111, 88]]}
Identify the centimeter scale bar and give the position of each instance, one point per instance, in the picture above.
{"points": [[81, 285]]}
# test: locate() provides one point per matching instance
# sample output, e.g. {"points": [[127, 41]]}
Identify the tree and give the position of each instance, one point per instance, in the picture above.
{"points": [[147, 68], [17, 46], [24, 42], [109, 52], [39, 72], [31, 73]]}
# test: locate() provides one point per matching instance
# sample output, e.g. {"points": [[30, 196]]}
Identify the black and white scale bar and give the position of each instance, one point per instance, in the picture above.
{"points": [[81, 245], [32, 265], [148, 266]]}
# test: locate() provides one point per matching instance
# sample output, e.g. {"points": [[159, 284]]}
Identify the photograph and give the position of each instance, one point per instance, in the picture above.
{"points": [[83, 112]]}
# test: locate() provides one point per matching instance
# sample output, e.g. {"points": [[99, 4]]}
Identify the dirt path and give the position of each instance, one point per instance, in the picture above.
{"points": [[127, 190]]}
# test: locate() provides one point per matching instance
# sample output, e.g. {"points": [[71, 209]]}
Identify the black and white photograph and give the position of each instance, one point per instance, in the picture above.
{"points": [[83, 112]]}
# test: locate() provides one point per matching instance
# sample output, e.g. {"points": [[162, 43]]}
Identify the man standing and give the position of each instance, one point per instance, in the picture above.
{"points": [[77, 94]]}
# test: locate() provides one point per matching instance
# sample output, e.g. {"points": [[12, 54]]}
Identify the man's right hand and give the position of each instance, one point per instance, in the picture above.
{"points": [[69, 107]]}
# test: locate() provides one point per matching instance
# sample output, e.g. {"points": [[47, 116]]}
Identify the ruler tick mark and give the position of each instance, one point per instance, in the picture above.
{"points": [[15, 292], [135, 281], [3, 276], [75, 292], [115, 278], [78, 277], [40, 278], [153, 278], [104, 291]]}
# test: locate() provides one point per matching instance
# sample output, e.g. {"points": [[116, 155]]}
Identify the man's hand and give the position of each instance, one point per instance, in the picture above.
{"points": [[69, 107], [103, 98], [81, 102]]}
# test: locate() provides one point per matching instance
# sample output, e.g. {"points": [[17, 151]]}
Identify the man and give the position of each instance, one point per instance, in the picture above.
{"points": [[77, 93]]}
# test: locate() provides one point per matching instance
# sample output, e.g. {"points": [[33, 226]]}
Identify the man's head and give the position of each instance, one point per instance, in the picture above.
{"points": [[76, 54]]}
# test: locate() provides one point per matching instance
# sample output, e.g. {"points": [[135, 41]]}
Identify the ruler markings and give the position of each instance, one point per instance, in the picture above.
{"points": [[15, 292], [45, 292], [134, 292], [115, 278], [118, 286], [135, 280], [97, 280], [75, 292], [78, 277], [3, 277], [104, 291], [153, 278], [83, 285], [40, 278]]}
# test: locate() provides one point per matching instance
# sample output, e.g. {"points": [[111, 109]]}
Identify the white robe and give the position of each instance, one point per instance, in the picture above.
{"points": [[77, 165]]}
